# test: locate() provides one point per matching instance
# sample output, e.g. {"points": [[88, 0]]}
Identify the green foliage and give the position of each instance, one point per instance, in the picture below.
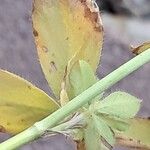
{"points": [[110, 114], [91, 136], [120, 105], [81, 77], [68, 37], [104, 116], [115, 123], [104, 130]]}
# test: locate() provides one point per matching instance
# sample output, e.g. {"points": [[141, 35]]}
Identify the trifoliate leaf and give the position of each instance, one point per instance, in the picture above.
{"points": [[81, 77], [61, 29], [104, 130], [119, 104]]}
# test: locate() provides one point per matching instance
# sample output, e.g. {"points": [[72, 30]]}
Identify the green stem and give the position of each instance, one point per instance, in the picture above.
{"points": [[52, 120]]}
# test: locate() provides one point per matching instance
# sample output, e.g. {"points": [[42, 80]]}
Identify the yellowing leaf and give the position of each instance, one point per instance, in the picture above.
{"points": [[81, 77], [21, 103], [63, 28], [139, 130], [63, 95], [141, 48], [119, 104]]}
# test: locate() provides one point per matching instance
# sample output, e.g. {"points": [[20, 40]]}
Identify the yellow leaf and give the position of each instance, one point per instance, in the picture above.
{"points": [[21, 103], [140, 130], [63, 95], [141, 48], [63, 29], [137, 136]]}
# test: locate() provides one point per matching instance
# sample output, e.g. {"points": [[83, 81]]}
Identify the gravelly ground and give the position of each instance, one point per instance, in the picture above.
{"points": [[18, 55]]}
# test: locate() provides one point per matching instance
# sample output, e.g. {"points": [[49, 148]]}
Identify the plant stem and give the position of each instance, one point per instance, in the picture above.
{"points": [[75, 121], [52, 120]]}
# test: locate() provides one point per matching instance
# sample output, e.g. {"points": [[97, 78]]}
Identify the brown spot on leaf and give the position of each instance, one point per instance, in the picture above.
{"points": [[29, 87], [8, 123], [88, 60], [8, 104], [139, 141], [53, 55], [93, 16], [53, 67], [67, 38], [2, 129], [22, 120], [35, 33], [45, 49]]}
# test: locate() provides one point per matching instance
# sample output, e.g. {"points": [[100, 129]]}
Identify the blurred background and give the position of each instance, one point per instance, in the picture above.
{"points": [[126, 23]]}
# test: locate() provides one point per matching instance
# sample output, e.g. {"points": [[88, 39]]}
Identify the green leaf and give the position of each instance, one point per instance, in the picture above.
{"points": [[104, 130], [139, 130], [21, 103], [120, 105], [92, 137], [61, 29], [116, 123], [81, 77]]}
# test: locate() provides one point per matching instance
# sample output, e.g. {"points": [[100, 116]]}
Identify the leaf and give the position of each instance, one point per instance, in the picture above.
{"points": [[76, 134], [92, 137], [129, 143], [141, 48], [104, 130], [139, 130], [61, 29], [81, 77], [21, 103], [120, 105], [63, 95], [116, 123]]}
